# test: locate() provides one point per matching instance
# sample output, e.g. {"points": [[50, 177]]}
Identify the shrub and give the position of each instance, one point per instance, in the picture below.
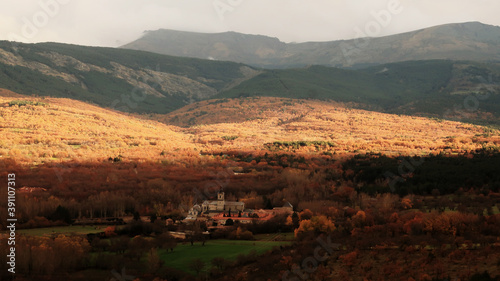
{"points": [[26, 102], [229, 138]]}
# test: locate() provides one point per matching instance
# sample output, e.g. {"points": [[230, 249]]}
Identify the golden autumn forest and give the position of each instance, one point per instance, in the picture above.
{"points": [[396, 197]]}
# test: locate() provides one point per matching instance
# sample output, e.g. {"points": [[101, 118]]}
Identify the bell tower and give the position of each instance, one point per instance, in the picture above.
{"points": [[220, 201], [220, 196]]}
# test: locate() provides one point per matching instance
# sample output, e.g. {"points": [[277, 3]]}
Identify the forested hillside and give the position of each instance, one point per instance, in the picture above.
{"points": [[465, 91]]}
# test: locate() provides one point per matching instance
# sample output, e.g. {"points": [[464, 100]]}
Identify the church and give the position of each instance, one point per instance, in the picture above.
{"points": [[221, 205]]}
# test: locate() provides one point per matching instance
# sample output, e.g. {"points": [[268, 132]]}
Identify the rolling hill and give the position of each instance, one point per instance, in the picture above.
{"points": [[462, 41], [251, 123], [53, 130], [38, 130], [468, 91]]}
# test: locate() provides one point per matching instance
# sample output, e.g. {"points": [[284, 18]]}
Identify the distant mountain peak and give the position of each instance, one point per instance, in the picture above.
{"points": [[473, 40]]}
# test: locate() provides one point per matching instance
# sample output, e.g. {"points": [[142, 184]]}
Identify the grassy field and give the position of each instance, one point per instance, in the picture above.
{"points": [[228, 249], [62, 230]]}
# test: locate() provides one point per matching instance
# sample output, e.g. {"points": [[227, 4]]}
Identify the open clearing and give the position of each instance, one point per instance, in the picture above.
{"points": [[227, 249]]}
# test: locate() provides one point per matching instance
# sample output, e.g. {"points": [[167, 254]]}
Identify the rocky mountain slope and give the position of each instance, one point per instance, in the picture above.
{"points": [[126, 80]]}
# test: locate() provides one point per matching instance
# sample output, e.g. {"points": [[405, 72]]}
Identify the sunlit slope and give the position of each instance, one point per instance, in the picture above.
{"points": [[8, 93], [251, 122], [37, 130]]}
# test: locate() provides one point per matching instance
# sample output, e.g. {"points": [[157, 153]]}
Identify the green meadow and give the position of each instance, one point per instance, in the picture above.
{"points": [[47, 231], [227, 249]]}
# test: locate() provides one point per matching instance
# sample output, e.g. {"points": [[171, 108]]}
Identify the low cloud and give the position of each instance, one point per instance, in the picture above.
{"points": [[117, 22]]}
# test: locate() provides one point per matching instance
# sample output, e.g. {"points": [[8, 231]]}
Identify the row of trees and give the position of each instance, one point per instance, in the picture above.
{"points": [[49, 256]]}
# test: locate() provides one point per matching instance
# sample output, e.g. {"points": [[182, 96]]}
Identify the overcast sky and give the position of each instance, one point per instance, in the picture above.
{"points": [[117, 22]]}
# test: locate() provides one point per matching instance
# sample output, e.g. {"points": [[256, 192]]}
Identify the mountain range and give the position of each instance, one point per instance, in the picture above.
{"points": [[461, 85], [462, 41]]}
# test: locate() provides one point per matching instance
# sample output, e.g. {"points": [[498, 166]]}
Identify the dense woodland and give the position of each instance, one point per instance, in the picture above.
{"points": [[403, 198]]}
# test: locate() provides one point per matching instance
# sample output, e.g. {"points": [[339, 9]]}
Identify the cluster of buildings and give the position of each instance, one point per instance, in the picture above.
{"points": [[219, 211]]}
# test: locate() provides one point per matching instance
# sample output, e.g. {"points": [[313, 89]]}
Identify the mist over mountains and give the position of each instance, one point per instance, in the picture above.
{"points": [[460, 41]]}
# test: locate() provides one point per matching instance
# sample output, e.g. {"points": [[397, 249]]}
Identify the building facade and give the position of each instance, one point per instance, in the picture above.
{"points": [[221, 205]]}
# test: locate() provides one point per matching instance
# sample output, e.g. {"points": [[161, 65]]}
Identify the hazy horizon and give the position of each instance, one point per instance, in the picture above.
{"points": [[119, 22]]}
